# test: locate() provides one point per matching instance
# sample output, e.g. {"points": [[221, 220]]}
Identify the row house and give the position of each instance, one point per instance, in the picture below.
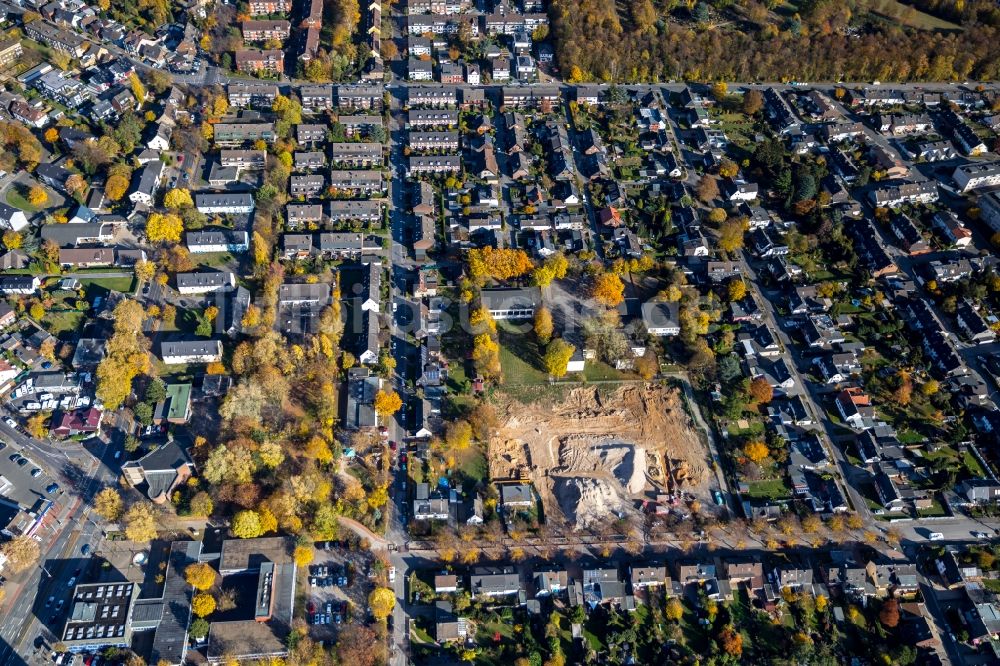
{"points": [[433, 140], [360, 124], [243, 159], [356, 154], [307, 185], [56, 38], [330, 245], [263, 31], [265, 7], [205, 282], [508, 24], [968, 140], [228, 240], [841, 132], [935, 151], [431, 96], [431, 118], [531, 96], [359, 97], [349, 210], [434, 164], [298, 214], [251, 94], [903, 124], [308, 160], [951, 229], [778, 112], [235, 134], [316, 98], [357, 181], [908, 235], [307, 133], [447, 7], [224, 203], [896, 195], [260, 60]]}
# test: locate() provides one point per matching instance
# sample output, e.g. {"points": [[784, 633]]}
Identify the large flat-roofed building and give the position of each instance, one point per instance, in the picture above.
{"points": [[974, 176], [100, 616], [511, 303]]}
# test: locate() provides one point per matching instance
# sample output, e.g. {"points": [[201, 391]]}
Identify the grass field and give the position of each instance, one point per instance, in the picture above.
{"points": [[911, 16], [17, 200], [122, 284], [771, 489], [520, 359], [69, 321]]}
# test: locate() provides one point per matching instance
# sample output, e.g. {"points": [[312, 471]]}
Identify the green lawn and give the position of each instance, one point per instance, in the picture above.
{"points": [[15, 199], [122, 284], [972, 464], [596, 371], [520, 359], [63, 321], [771, 489], [910, 437], [936, 510]]}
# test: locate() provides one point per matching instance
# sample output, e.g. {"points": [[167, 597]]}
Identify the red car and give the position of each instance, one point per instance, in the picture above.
{"points": [[392, 445], [402, 458]]}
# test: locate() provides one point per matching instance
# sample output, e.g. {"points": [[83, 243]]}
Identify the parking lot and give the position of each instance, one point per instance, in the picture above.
{"points": [[337, 588]]}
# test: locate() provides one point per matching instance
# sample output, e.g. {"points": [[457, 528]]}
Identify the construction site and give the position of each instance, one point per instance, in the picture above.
{"points": [[602, 452]]}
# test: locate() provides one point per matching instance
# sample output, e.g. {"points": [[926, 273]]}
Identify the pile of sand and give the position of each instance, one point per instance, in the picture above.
{"points": [[588, 501]]}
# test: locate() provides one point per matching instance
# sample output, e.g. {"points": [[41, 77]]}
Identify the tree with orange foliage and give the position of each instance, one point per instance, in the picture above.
{"points": [[608, 289], [761, 391], [730, 642], [889, 613]]}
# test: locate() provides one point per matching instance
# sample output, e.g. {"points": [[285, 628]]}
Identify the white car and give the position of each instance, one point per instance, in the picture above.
{"points": [[392, 574], [11, 422]]}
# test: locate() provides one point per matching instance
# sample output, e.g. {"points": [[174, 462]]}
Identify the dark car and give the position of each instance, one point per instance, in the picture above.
{"points": [[52, 488]]}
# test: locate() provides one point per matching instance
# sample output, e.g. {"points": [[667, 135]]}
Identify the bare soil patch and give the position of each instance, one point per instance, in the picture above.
{"points": [[597, 453]]}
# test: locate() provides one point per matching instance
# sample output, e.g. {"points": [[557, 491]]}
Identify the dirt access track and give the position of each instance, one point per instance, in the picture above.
{"points": [[593, 455]]}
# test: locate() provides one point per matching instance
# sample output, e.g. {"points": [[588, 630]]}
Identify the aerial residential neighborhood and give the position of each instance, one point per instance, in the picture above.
{"points": [[499, 332]]}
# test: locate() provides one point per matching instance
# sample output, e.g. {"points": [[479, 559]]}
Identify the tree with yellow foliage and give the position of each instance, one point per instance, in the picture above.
{"points": [[387, 403], [756, 451], [116, 186], [200, 576], [608, 289], [144, 270], [140, 522], [203, 604], [303, 555], [164, 228], [52, 135], [37, 196], [108, 504], [731, 235], [138, 90], [246, 525], [737, 290], [382, 600], [557, 356], [12, 240], [543, 324], [458, 435], [178, 197], [499, 264]]}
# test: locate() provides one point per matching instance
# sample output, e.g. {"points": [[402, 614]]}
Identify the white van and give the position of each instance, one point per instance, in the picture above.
{"points": [[935, 536]]}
